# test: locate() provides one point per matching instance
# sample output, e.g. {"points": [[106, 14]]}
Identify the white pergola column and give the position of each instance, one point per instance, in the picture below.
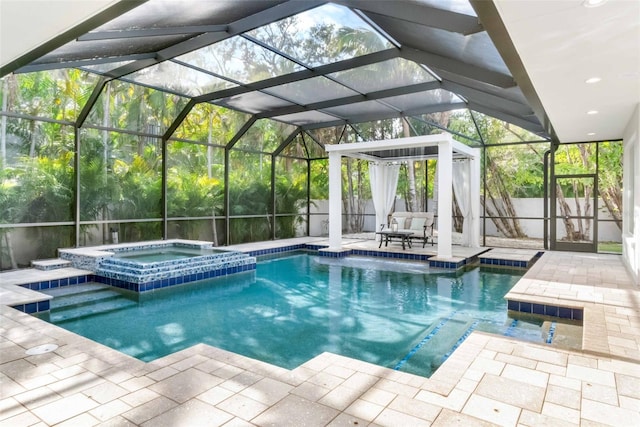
{"points": [[445, 198], [474, 176], [335, 200]]}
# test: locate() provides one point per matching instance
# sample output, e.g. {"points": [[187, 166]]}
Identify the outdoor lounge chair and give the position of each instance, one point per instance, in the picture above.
{"points": [[420, 223]]}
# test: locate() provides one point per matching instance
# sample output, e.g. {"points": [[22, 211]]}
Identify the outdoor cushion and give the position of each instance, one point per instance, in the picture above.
{"points": [[401, 222], [417, 224]]}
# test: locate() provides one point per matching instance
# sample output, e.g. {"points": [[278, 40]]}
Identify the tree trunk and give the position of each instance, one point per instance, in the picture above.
{"points": [[508, 223], [411, 200], [3, 124], [499, 225], [214, 228], [353, 203], [586, 229], [565, 212], [576, 190], [9, 242], [360, 199], [612, 198]]}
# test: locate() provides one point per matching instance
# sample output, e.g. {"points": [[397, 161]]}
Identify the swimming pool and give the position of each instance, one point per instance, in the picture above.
{"points": [[292, 308]]}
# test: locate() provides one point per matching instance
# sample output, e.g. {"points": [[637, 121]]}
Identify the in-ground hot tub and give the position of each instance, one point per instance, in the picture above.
{"points": [[146, 266]]}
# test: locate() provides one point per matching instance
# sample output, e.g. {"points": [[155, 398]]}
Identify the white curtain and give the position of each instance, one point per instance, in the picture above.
{"points": [[384, 182], [461, 174]]}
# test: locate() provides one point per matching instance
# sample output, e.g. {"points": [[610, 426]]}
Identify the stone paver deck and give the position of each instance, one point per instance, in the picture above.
{"points": [[488, 380], [596, 282]]}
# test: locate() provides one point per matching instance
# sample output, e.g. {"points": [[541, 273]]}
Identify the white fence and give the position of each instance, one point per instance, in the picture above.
{"points": [[608, 231]]}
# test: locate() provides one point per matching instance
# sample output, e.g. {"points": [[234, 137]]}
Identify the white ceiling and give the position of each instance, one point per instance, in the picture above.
{"points": [[25, 25], [562, 44]]}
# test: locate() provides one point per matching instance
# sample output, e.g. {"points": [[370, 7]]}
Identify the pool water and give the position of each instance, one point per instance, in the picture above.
{"points": [[147, 256], [292, 308]]}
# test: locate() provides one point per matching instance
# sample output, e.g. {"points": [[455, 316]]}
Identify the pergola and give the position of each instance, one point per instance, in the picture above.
{"points": [[440, 146]]}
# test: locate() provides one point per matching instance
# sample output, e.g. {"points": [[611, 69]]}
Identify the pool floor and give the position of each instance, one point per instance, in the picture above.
{"points": [[294, 307]]}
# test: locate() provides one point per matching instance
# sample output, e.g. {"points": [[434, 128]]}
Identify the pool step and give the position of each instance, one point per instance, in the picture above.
{"points": [[75, 307], [82, 298], [74, 289], [520, 258], [436, 341], [564, 335]]}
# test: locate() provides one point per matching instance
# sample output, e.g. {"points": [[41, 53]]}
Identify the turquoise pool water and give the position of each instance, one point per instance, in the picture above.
{"points": [[147, 256], [292, 308]]}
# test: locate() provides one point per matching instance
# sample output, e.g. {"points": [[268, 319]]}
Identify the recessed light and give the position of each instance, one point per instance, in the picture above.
{"points": [[592, 112], [593, 3], [591, 133], [592, 80]]}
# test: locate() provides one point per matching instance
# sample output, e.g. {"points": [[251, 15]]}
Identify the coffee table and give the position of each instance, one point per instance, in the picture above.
{"points": [[388, 235]]}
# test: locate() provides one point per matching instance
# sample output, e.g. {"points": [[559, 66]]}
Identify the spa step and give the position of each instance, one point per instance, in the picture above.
{"points": [[127, 266], [113, 268], [50, 264]]}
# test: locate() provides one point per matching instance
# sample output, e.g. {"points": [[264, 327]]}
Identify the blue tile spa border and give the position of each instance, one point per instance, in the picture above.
{"points": [[173, 281], [546, 310]]}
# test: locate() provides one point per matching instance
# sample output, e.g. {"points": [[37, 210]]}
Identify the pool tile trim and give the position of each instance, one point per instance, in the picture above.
{"points": [[563, 312]]}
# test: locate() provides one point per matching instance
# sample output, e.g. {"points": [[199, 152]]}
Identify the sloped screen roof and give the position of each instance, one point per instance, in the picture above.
{"points": [[306, 63]]}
